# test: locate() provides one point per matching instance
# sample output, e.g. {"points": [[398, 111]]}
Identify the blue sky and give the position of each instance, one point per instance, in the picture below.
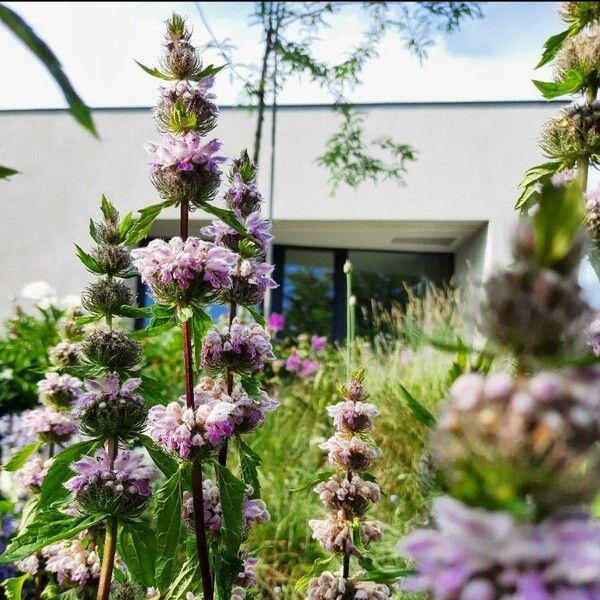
{"points": [[490, 59]]}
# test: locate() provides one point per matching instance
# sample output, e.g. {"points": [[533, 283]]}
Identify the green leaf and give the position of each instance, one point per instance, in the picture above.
{"points": [[20, 457], [154, 72], [418, 410], [141, 226], [136, 545], [249, 463], [48, 527], [227, 216], [163, 319], [386, 576], [90, 263], [187, 576], [13, 587], [135, 312], [571, 84], [94, 232], [316, 569], [232, 502], [108, 210], [153, 391], [26, 34], [87, 319], [166, 463], [557, 222], [207, 72], [125, 226], [201, 323], [168, 529], [256, 315], [6, 172], [554, 43], [534, 176], [226, 570], [251, 385], [311, 483], [53, 489]]}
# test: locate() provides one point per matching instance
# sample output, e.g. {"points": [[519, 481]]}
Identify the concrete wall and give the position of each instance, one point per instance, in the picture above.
{"points": [[470, 159]]}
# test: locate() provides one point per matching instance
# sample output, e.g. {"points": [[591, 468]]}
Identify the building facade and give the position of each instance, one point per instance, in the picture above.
{"points": [[451, 219]]}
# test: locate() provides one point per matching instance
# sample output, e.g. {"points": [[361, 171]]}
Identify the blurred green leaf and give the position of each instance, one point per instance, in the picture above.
{"points": [[13, 587], [554, 43], [571, 84], [316, 569], [417, 409], [6, 172], [20, 457], [25, 33]]}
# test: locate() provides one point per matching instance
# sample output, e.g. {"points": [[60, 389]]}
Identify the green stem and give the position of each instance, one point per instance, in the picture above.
{"points": [[108, 559], [349, 340]]}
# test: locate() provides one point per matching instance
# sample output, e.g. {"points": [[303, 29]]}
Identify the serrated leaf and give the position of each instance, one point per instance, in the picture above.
{"points": [[53, 489], [187, 576], [90, 263], [251, 385], [20, 457], [226, 570], [94, 231], [232, 492], [311, 483], [136, 545], [48, 527], [249, 463], [571, 84], [135, 312], [418, 410], [256, 315], [554, 43], [316, 569], [108, 210], [6, 172], [13, 587], [227, 216], [143, 224], [166, 463], [168, 528], [154, 72], [25, 33]]}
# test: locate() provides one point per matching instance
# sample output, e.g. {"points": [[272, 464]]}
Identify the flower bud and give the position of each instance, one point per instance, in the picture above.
{"points": [[106, 297], [111, 350], [110, 410], [241, 348], [348, 498], [64, 354], [51, 426], [93, 496], [112, 259], [347, 267]]}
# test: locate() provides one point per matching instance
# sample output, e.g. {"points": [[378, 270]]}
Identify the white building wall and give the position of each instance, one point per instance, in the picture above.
{"points": [[458, 196]]}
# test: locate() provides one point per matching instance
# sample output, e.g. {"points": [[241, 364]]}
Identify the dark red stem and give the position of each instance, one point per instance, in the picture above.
{"points": [[197, 491]]}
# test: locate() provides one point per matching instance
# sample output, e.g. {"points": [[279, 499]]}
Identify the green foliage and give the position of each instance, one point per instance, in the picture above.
{"points": [[352, 160], [226, 569], [571, 84], [530, 184], [557, 222], [249, 463], [24, 357], [180, 121], [232, 501], [554, 43], [48, 527], [251, 385], [53, 490], [13, 587], [419, 411], [169, 530], [6, 172], [25, 33], [166, 463], [316, 569], [137, 546], [20, 457], [140, 227]]}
